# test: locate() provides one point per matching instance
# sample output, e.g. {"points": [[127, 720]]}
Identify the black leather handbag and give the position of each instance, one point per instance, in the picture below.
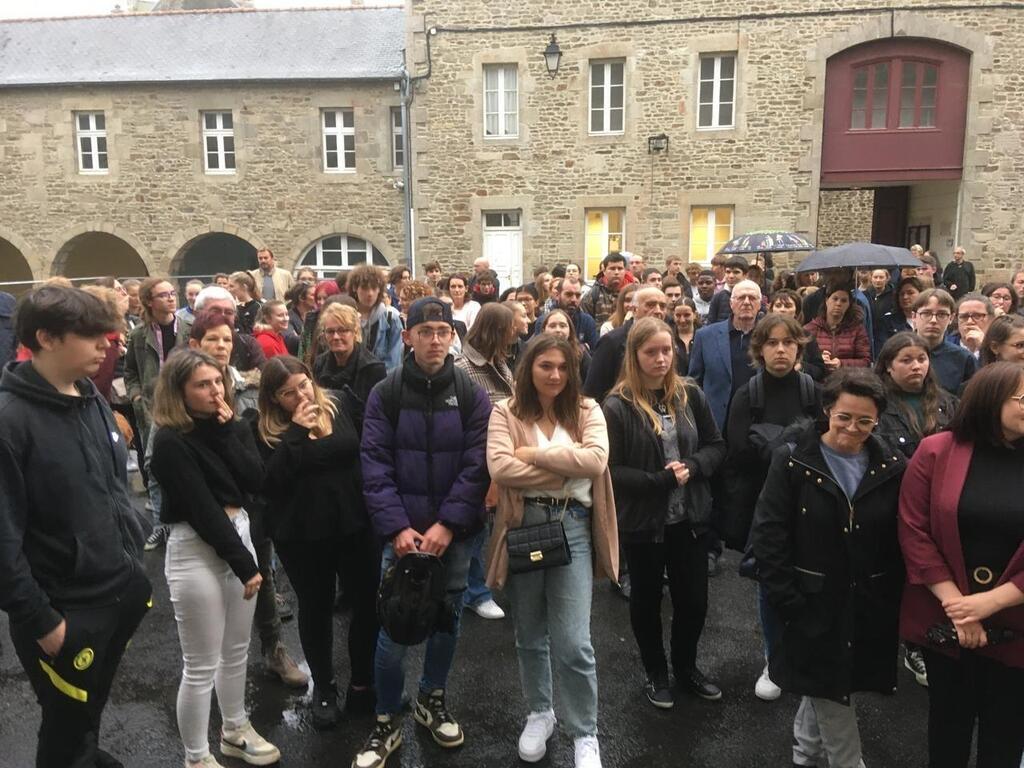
{"points": [[535, 547]]}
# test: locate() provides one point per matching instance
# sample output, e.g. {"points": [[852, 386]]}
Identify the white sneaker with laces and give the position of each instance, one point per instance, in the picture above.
{"points": [[249, 746], [488, 609], [588, 754], [765, 689], [533, 741]]}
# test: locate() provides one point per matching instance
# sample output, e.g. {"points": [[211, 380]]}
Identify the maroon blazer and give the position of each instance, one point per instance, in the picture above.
{"points": [[929, 534]]}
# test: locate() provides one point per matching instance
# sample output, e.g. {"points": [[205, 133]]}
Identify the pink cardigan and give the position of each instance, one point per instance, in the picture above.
{"points": [[505, 433], [929, 534]]}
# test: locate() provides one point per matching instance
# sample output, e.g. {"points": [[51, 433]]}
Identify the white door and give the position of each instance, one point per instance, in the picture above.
{"points": [[503, 246]]}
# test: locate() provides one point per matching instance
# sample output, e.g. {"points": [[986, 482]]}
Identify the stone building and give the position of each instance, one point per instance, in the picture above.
{"points": [[669, 126], [179, 143]]}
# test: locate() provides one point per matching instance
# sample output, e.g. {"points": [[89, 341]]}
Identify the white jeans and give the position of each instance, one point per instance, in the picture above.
{"points": [[214, 624]]}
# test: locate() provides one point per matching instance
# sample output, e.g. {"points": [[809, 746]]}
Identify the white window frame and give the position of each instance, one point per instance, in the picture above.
{"points": [[92, 135], [606, 109], [397, 139], [507, 118], [321, 269], [344, 135], [716, 90], [709, 246], [221, 135]]}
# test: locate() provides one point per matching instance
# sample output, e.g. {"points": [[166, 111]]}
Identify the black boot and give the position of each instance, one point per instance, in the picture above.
{"points": [[325, 707]]}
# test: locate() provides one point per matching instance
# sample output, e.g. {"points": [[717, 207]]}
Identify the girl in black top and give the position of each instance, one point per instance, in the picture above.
{"points": [[664, 447], [208, 466], [316, 517]]}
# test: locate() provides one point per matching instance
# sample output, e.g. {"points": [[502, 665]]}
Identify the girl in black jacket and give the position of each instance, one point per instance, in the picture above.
{"points": [[316, 518], [664, 447]]}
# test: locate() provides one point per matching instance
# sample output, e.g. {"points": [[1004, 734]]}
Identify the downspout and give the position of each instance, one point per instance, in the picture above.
{"points": [[407, 85]]}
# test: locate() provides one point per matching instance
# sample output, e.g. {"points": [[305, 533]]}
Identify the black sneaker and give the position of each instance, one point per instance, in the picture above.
{"points": [[431, 713], [914, 661], [384, 739], [659, 693], [325, 707], [360, 702], [697, 684], [157, 538]]}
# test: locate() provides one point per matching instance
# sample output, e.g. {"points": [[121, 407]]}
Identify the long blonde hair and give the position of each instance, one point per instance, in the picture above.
{"points": [[630, 386], [169, 409], [274, 419]]}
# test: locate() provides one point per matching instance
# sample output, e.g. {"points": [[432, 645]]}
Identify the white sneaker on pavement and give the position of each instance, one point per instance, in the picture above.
{"points": [[533, 741], [249, 746], [765, 689], [588, 755], [488, 609]]}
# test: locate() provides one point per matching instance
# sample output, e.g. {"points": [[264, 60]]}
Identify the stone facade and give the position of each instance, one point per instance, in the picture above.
{"points": [[767, 167], [844, 216]]}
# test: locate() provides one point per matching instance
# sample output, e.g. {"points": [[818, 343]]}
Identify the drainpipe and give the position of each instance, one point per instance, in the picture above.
{"points": [[408, 219]]}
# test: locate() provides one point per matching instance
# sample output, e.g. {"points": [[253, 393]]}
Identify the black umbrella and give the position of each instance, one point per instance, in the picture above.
{"points": [[859, 256], [766, 242]]}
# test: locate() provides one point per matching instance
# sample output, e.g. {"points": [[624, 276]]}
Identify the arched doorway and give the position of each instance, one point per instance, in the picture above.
{"points": [[96, 254], [213, 252], [15, 273], [336, 253]]}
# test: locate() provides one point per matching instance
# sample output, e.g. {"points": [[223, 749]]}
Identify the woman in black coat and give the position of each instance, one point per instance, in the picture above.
{"points": [[346, 362], [824, 538], [664, 447]]}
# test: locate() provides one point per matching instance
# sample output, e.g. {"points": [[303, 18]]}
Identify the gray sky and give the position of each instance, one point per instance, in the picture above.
{"points": [[30, 9]]}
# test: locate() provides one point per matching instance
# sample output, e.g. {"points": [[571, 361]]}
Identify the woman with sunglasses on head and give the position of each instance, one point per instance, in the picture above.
{"points": [[547, 451], [208, 467], [1004, 340], [664, 448], [824, 538], [962, 534], [320, 528]]}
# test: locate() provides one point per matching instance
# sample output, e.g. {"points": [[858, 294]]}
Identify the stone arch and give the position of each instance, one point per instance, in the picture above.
{"points": [[98, 249], [15, 266], [340, 227], [241, 244]]}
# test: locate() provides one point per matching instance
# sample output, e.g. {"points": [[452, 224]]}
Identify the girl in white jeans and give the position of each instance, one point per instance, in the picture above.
{"points": [[207, 464]]}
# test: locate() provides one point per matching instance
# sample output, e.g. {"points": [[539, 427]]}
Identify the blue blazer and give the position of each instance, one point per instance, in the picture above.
{"points": [[711, 366]]}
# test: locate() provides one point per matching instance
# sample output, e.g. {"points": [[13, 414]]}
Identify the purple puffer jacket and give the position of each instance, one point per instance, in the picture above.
{"points": [[429, 468]]}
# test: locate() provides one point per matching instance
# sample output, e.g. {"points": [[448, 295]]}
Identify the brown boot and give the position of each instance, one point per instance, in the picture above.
{"points": [[280, 663]]}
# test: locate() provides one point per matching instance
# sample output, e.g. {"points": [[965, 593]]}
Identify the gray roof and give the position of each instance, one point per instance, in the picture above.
{"points": [[338, 44]]}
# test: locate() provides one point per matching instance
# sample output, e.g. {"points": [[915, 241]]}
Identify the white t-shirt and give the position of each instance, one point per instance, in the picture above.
{"points": [[578, 488], [467, 314]]}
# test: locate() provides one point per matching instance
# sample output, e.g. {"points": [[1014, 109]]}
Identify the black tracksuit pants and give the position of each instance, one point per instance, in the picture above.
{"points": [[684, 557], [312, 568], [73, 688]]}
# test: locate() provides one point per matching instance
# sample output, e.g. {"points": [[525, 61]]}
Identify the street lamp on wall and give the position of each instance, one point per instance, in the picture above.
{"points": [[657, 143], [552, 56]]}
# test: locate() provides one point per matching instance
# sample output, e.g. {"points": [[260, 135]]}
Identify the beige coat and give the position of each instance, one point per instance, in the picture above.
{"points": [[552, 465], [282, 279]]}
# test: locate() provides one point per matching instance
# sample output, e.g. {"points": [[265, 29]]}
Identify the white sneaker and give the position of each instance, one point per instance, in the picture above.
{"points": [[488, 609], [765, 689], [533, 741], [207, 762], [249, 746], [588, 755]]}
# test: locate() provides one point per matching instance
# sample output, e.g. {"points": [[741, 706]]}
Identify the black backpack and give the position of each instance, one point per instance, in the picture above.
{"points": [[767, 437], [411, 602], [391, 396]]}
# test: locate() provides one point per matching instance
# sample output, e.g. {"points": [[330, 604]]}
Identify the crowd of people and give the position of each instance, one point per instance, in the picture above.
{"points": [[856, 436]]}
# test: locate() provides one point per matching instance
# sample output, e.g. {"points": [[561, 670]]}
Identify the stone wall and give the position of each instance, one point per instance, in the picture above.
{"points": [[844, 216], [157, 197]]}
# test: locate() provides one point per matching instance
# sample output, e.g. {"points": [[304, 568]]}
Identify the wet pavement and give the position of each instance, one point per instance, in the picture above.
{"points": [[740, 730]]}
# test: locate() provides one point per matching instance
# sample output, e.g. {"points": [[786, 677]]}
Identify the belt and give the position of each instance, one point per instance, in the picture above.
{"points": [[550, 501]]}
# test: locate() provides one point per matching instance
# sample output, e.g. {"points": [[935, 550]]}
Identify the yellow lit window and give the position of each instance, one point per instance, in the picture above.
{"points": [[605, 233], [710, 229]]}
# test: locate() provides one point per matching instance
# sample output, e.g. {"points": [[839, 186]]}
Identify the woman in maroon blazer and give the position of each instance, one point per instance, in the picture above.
{"points": [[962, 533]]}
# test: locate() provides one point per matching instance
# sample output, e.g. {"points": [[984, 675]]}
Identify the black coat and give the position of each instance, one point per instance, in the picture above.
{"points": [[636, 460], [894, 427], [833, 570], [360, 373], [606, 362]]}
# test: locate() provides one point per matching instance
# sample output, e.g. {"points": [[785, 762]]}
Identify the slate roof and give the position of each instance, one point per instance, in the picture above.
{"points": [[324, 44]]}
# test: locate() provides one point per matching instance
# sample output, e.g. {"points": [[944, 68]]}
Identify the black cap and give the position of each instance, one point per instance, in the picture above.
{"points": [[428, 309]]}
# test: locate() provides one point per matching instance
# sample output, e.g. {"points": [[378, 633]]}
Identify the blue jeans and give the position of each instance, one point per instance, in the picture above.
{"points": [[476, 587], [551, 615], [152, 486], [389, 664], [771, 624]]}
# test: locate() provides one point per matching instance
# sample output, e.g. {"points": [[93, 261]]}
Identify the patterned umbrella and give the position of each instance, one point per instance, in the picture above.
{"points": [[766, 242], [859, 256]]}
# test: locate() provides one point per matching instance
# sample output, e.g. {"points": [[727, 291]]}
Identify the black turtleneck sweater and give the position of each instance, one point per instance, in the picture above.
{"points": [[782, 406]]}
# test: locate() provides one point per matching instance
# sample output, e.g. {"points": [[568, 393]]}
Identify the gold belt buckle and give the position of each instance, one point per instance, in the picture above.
{"points": [[536, 556], [983, 575]]}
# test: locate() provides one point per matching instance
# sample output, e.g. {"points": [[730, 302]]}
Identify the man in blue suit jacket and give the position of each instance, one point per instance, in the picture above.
{"points": [[719, 360]]}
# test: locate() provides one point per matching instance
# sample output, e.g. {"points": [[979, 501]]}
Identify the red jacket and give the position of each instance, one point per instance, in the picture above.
{"points": [[272, 343], [850, 343], [929, 534]]}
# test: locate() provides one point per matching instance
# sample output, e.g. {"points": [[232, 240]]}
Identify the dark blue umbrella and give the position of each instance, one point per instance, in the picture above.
{"points": [[766, 242], [859, 256]]}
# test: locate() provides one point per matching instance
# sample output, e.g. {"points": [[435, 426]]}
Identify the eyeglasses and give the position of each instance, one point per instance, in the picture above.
{"points": [[331, 332], [164, 295], [863, 424], [975, 316], [429, 334], [928, 314]]}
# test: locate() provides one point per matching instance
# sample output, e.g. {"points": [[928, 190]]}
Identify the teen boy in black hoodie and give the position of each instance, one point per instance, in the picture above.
{"points": [[70, 577]]}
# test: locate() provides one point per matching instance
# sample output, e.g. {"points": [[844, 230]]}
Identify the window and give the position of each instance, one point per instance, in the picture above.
{"points": [[397, 139], [605, 232], [501, 219], [710, 229], [218, 142], [717, 97], [918, 84], [339, 141], [607, 93], [92, 142], [339, 252], [501, 101], [870, 97]]}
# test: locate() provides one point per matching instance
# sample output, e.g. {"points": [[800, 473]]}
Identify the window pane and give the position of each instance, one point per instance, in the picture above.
{"points": [[707, 67], [860, 78], [226, 119], [491, 78], [616, 73], [880, 96], [229, 143], [906, 117], [349, 143], [597, 98], [511, 75], [860, 97], [210, 120], [491, 124], [492, 219], [101, 160], [927, 118], [725, 114], [597, 74], [707, 91], [332, 243], [909, 73], [347, 118], [86, 162], [728, 67], [229, 160], [330, 119], [511, 124], [101, 122], [211, 161], [331, 159], [882, 75], [331, 142], [927, 97], [491, 102], [512, 219], [931, 75], [101, 144], [725, 94], [615, 220], [616, 120], [396, 118], [211, 144], [83, 122], [704, 118], [616, 97], [857, 119]]}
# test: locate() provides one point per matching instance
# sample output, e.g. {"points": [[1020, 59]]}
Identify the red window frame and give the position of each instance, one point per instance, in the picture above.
{"points": [[894, 94]]}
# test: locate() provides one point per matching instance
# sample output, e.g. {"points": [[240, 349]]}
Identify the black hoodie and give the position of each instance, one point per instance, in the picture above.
{"points": [[69, 537]]}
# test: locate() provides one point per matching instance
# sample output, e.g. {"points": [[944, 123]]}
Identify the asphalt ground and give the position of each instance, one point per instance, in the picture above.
{"points": [[484, 693]]}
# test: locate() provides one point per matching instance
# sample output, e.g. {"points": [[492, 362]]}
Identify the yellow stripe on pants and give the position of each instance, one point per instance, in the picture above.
{"points": [[63, 685]]}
